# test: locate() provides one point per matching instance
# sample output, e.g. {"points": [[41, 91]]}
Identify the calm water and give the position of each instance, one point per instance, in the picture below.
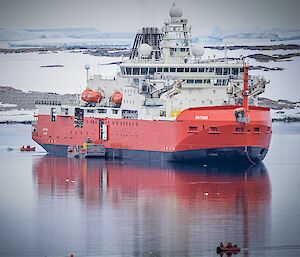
{"points": [[56, 206]]}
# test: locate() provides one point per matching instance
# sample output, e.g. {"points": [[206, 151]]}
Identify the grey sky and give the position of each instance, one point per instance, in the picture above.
{"points": [[128, 15]]}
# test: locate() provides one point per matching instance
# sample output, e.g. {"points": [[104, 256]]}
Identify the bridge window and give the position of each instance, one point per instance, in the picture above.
{"points": [[172, 69], [201, 69], [152, 71], [159, 69], [179, 69], [144, 71], [193, 69], [166, 69], [234, 71], [136, 71], [226, 71], [128, 71], [218, 71]]}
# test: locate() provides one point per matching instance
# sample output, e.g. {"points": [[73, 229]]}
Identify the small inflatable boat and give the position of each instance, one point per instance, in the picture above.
{"points": [[233, 249], [27, 149]]}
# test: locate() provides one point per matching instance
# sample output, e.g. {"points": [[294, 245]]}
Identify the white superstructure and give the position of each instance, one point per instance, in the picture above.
{"points": [[166, 75]]}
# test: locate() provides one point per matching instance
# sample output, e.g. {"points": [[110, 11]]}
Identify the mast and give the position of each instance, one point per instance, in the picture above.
{"points": [[246, 90]]}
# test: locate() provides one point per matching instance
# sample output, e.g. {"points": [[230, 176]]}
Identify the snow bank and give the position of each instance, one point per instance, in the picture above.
{"points": [[16, 115]]}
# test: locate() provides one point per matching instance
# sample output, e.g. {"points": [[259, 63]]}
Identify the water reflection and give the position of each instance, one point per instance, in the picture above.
{"points": [[135, 209]]}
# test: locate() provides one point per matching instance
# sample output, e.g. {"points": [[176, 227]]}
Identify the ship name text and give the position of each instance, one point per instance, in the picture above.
{"points": [[201, 117]]}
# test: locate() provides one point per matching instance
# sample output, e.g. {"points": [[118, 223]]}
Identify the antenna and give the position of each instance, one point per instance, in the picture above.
{"points": [[87, 67], [225, 52]]}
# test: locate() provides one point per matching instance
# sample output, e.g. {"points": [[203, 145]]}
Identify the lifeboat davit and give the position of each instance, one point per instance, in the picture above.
{"points": [[91, 96], [116, 98]]}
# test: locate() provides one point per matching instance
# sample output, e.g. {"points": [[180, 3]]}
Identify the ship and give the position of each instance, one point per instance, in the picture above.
{"points": [[166, 103]]}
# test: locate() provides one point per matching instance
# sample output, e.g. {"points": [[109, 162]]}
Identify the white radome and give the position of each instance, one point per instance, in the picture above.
{"points": [[145, 50], [175, 11], [198, 51]]}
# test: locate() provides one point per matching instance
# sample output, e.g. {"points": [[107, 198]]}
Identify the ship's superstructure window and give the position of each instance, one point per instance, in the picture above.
{"points": [[152, 71], [226, 71], [218, 71], [144, 71], [90, 111], [128, 71], [159, 69], [215, 82], [166, 69], [136, 71], [172, 69], [179, 69], [102, 110], [235, 71], [122, 70], [129, 114], [193, 69], [219, 82]]}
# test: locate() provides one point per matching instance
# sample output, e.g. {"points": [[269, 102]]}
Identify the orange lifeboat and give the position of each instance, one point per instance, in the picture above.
{"points": [[91, 96], [116, 98]]}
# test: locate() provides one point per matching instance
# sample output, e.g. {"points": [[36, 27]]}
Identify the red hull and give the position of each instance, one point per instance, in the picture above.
{"points": [[194, 129]]}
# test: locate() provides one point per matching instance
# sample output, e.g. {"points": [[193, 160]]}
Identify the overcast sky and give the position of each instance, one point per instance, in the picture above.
{"points": [[128, 15]]}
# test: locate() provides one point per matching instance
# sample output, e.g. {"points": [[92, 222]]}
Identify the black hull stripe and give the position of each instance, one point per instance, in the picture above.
{"points": [[229, 154]]}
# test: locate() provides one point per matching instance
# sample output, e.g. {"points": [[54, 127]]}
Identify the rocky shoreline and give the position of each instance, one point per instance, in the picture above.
{"points": [[258, 47], [95, 51]]}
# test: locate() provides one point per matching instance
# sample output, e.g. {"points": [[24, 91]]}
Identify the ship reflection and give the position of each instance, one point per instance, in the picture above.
{"points": [[172, 210]]}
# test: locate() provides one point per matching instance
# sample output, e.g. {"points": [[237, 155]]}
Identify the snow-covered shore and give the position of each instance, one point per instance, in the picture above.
{"points": [[16, 116]]}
